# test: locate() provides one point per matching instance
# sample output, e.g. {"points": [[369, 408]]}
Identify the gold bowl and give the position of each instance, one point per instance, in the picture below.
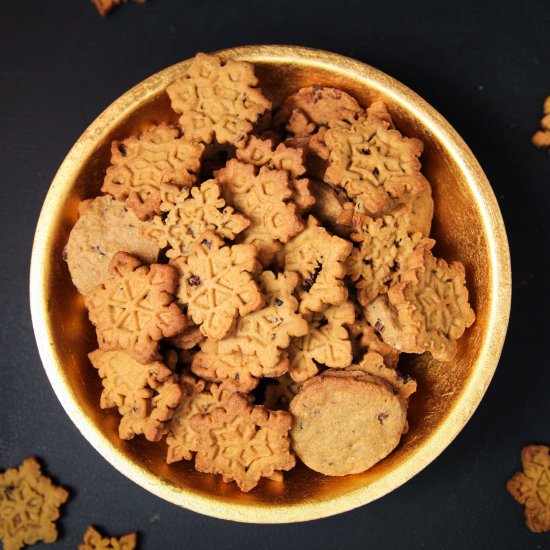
{"points": [[467, 225]]}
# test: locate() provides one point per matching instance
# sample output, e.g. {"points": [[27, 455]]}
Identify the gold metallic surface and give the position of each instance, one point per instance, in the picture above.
{"points": [[468, 227]]}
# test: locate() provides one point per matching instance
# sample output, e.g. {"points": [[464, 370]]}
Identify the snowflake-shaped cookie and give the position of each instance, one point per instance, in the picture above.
{"points": [[94, 541], [135, 308], [319, 258], [386, 250], [373, 162], [532, 487], [327, 343], [243, 443], [140, 165], [217, 100], [427, 310], [145, 395], [264, 197], [189, 213], [29, 506], [199, 398], [216, 284]]}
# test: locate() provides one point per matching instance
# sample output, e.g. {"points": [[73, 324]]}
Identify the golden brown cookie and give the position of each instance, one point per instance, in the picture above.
{"points": [[188, 339], [265, 198], [243, 443], [261, 152], [94, 541], [427, 310], [217, 100], [145, 395], [327, 343], [542, 137], [216, 284], [319, 258], [255, 348], [191, 212], [385, 251], [104, 228], [532, 487], [135, 308], [104, 7], [199, 398], [329, 207], [311, 108], [29, 506], [373, 162], [140, 165], [365, 421]]}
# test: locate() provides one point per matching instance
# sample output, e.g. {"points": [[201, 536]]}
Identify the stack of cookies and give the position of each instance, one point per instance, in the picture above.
{"points": [[253, 278]]}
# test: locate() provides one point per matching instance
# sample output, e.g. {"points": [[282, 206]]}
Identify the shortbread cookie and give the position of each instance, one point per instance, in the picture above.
{"points": [[188, 339], [217, 100], [327, 343], [145, 395], [93, 540], [265, 198], [243, 443], [427, 310], [135, 308], [345, 425], [542, 137], [255, 348], [199, 398], [386, 250], [373, 162], [104, 228], [191, 212], [532, 487], [329, 207], [29, 506], [140, 165], [311, 108], [261, 152], [280, 393], [319, 258], [216, 284]]}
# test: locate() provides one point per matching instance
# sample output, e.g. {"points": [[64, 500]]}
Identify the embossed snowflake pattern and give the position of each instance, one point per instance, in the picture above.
{"points": [[140, 165]]}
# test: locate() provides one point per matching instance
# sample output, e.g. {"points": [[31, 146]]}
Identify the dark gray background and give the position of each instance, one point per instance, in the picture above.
{"points": [[485, 65]]}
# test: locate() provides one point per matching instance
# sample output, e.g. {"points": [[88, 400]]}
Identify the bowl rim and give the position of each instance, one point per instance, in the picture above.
{"points": [[448, 429]]}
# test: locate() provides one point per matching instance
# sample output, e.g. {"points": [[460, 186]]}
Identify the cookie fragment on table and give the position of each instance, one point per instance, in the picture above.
{"points": [[140, 165], [105, 227], [532, 487], [542, 137], [145, 395], [29, 506], [104, 7], [243, 443], [365, 420], [135, 308], [217, 100], [93, 540], [216, 284]]}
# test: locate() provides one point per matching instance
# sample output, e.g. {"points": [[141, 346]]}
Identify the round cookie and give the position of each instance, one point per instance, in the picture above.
{"points": [[345, 425], [105, 227]]}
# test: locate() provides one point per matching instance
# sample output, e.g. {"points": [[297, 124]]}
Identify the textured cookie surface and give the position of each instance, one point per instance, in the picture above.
{"points": [[140, 165], [365, 421], [217, 100], [29, 506], [532, 487], [243, 443], [135, 308], [105, 227]]}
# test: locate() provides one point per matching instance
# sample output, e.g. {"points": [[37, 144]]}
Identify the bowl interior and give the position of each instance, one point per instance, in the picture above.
{"points": [[466, 227]]}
